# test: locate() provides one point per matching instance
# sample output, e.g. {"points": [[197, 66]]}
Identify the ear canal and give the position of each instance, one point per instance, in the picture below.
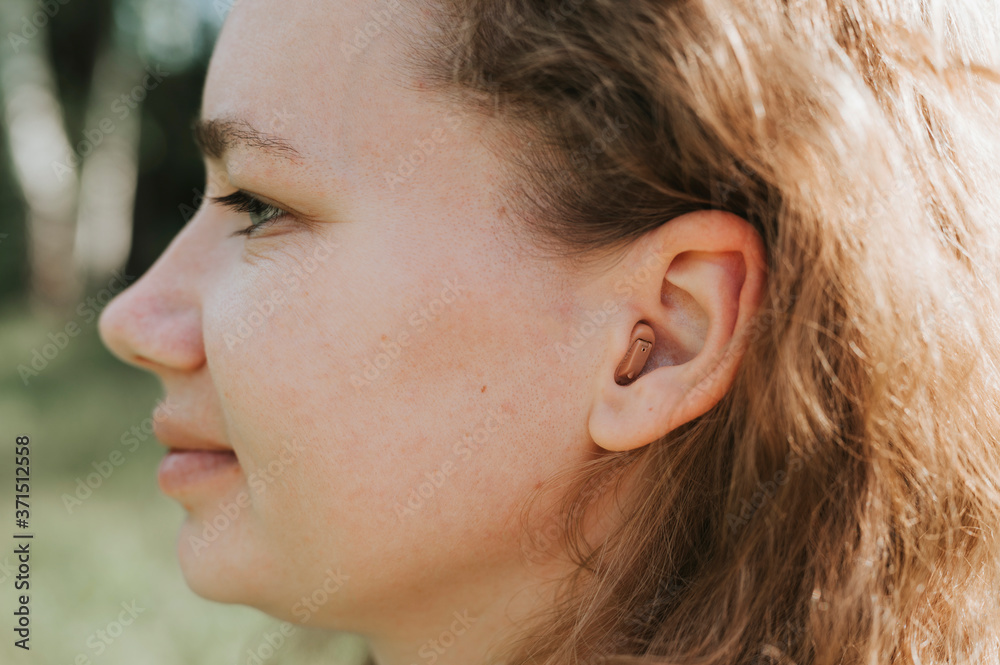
{"points": [[637, 354]]}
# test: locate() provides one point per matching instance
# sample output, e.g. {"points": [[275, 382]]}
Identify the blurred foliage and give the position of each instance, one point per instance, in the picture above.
{"points": [[119, 544], [170, 169], [13, 268]]}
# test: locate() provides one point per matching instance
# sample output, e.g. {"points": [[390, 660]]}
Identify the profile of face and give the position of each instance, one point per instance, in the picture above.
{"points": [[393, 366]]}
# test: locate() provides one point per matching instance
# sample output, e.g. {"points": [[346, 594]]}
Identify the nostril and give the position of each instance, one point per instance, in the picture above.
{"points": [[119, 327], [153, 330], [144, 362]]}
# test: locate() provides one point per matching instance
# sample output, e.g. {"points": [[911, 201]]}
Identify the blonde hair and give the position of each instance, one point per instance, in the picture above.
{"points": [[840, 504]]}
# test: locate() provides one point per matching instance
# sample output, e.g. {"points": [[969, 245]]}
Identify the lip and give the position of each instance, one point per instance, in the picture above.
{"points": [[177, 438], [183, 473], [194, 464]]}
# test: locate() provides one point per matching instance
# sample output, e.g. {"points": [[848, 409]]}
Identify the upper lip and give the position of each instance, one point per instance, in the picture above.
{"points": [[179, 438]]}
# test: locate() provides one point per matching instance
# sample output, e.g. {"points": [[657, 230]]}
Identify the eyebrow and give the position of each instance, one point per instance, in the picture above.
{"points": [[216, 136]]}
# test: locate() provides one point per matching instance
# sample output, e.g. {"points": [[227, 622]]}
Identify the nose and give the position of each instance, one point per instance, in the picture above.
{"points": [[155, 324]]}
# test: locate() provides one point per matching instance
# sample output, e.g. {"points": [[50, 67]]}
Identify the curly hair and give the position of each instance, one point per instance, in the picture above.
{"points": [[840, 504]]}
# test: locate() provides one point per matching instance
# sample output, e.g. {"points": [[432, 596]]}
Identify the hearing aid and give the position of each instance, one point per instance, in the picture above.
{"points": [[637, 354]]}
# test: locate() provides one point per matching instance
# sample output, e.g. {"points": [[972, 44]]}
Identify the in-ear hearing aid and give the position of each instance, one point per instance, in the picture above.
{"points": [[635, 357]]}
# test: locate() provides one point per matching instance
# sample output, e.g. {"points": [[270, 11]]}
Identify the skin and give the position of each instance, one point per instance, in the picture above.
{"points": [[327, 461]]}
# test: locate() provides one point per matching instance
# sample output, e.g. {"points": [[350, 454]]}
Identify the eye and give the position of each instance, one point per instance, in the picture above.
{"points": [[261, 214]]}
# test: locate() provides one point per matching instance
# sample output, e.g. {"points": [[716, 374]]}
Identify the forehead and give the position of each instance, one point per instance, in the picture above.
{"points": [[321, 74]]}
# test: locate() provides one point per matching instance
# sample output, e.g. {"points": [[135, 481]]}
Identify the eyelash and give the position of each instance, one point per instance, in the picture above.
{"points": [[243, 202]]}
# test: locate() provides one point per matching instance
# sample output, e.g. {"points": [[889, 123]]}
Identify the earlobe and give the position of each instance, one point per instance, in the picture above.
{"points": [[711, 280]]}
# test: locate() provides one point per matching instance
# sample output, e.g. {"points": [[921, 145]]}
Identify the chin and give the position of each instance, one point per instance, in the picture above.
{"points": [[235, 568], [219, 565]]}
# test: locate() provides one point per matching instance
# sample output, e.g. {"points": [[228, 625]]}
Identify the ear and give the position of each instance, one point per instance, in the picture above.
{"points": [[697, 281]]}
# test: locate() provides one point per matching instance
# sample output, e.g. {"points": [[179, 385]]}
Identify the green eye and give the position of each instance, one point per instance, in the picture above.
{"points": [[265, 214], [261, 214]]}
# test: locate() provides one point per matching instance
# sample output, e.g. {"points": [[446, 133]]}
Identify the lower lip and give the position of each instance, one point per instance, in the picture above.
{"points": [[183, 470]]}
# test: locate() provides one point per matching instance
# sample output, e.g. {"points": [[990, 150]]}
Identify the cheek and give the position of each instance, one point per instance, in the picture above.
{"points": [[387, 407], [371, 378], [280, 347]]}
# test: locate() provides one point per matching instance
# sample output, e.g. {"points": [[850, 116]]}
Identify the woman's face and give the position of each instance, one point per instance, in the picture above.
{"points": [[387, 371]]}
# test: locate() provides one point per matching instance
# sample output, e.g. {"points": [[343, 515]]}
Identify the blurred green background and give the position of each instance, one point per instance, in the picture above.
{"points": [[97, 174]]}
